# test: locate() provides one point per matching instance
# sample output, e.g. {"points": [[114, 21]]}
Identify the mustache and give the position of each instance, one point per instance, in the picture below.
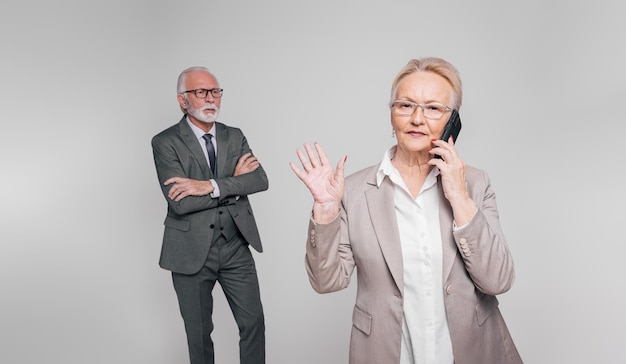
{"points": [[209, 107]]}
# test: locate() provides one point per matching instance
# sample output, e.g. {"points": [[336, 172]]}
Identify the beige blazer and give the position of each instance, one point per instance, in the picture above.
{"points": [[477, 265]]}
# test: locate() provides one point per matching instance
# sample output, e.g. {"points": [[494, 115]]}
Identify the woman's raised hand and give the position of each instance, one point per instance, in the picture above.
{"points": [[324, 183]]}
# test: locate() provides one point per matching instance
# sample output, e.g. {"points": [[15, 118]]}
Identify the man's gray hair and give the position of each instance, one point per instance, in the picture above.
{"points": [[180, 87]]}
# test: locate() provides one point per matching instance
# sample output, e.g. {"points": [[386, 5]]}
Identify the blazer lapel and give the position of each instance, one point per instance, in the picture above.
{"points": [[190, 140], [382, 212], [449, 249]]}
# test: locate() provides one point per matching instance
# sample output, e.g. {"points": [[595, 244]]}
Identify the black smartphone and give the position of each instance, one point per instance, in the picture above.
{"points": [[453, 128]]}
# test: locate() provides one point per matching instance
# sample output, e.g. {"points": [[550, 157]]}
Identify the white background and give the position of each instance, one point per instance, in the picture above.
{"points": [[85, 85]]}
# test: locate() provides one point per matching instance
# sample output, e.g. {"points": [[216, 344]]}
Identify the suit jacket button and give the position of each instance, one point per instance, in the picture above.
{"points": [[448, 289], [212, 226]]}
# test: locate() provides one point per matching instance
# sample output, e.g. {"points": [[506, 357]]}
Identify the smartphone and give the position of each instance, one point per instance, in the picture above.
{"points": [[453, 128]]}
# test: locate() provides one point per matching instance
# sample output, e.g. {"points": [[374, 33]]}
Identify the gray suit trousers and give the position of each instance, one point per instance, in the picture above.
{"points": [[231, 264]]}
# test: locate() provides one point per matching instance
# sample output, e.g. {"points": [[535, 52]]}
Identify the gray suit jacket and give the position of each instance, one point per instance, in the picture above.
{"points": [[189, 222], [477, 266]]}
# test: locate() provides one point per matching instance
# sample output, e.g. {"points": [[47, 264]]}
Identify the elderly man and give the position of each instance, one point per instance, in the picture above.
{"points": [[206, 170]]}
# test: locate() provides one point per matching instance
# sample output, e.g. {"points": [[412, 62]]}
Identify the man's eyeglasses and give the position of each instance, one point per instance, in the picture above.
{"points": [[432, 110], [202, 93]]}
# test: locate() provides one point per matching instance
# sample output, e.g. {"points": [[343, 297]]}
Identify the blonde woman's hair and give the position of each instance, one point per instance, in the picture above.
{"points": [[437, 66]]}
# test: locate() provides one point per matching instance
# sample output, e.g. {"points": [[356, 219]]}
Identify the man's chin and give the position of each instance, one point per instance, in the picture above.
{"points": [[211, 117], [205, 118]]}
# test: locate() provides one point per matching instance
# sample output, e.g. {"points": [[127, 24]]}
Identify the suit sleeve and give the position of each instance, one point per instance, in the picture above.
{"points": [[482, 245], [329, 260], [170, 162], [167, 160], [244, 184]]}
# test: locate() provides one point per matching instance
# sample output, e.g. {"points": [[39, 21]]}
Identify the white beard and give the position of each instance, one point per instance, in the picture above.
{"points": [[201, 116]]}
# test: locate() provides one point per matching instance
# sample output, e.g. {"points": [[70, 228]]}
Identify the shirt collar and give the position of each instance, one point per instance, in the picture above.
{"points": [[199, 133], [385, 169]]}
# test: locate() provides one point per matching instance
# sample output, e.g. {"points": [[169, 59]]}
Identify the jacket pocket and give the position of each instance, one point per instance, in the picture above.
{"points": [[176, 224], [487, 305], [362, 320]]}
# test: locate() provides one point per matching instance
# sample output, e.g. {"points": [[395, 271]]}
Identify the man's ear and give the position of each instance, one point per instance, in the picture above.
{"points": [[182, 101]]}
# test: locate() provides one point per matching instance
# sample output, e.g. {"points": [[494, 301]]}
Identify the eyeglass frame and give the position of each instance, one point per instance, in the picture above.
{"points": [[195, 91], [446, 108]]}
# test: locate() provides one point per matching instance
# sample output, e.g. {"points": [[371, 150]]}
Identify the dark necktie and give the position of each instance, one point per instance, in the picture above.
{"points": [[210, 150]]}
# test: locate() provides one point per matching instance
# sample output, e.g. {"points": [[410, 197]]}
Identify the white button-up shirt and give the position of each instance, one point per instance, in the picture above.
{"points": [[425, 333]]}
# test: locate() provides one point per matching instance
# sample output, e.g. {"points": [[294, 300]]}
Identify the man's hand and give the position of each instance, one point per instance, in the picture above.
{"points": [[246, 164], [184, 187]]}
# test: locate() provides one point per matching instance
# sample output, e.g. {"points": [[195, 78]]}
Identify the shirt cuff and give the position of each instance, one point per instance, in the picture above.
{"points": [[319, 223], [216, 189], [455, 228]]}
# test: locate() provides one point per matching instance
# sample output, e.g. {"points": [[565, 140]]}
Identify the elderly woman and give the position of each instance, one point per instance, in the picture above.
{"points": [[422, 232]]}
